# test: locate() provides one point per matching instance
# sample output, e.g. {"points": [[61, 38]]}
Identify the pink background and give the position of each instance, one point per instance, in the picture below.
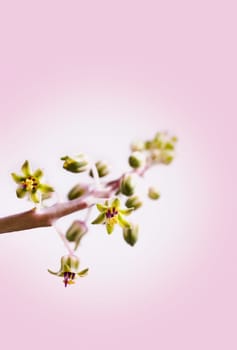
{"points": [[92, 76]]}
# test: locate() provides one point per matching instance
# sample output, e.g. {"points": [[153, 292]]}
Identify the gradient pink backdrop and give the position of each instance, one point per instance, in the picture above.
{"points": [[92, 76]]}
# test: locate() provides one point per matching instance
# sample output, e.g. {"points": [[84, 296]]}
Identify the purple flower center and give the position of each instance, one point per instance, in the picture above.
{"points": [[68, 276], [112, 212]]}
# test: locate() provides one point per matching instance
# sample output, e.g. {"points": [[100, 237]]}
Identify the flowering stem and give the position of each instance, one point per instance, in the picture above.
{"points": [[88, 213], [46, 217], [95, 175]]}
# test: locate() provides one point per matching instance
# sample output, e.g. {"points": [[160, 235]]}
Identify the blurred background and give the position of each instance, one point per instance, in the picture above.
{"points": [[92, 77]]}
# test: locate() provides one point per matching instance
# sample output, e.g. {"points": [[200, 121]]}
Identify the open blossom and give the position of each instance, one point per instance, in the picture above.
{"points": [[29, 183], [69, 269], [112, 214]]}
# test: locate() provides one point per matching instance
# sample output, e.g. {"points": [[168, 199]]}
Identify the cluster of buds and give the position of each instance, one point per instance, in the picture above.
{"points": [[159, 150]]}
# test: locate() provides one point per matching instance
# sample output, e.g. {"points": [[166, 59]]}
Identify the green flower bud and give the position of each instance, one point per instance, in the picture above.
{"points": [[174, 139], [130, 234], [127, 186], [153, 193], [77, 164], [137, 146], [76, 231], [77, 191], [148, 145], [155, 156], [133, 202], [167, 158], [169, 146], [102, 169], [136, 159]]}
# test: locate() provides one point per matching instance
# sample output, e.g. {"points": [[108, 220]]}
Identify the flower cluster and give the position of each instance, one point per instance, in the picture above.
{"points": [[158, 150]]}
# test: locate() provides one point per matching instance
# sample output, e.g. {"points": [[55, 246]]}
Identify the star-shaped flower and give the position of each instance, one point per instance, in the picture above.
{"points": [[112, 214], [69, 269], [29, 183]]}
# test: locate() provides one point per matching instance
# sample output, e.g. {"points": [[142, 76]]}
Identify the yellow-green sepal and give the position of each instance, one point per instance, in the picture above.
{"points": [[20, 192], [101, 207], [45, 188], [83, 273], [38, 173], [122, 222], [99, 220], [116, 203], [26, 168], [17, 178], [126, 211], [109, 228]]}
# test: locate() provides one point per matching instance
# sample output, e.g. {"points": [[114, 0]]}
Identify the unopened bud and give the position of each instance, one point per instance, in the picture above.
{"points": [[155, 156], [153, 193], [130, 234], [133, 202], [127, 186], [77, 164], [137, 146], [102, 169], [76, 231], [169, 146], [167, 158], [174, 139], [77, 191], [136, 159]]}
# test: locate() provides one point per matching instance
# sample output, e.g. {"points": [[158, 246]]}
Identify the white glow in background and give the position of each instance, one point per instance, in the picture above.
{"points": [[102, 123]]}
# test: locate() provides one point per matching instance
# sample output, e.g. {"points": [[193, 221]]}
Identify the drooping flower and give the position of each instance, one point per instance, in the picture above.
{"points": [[29, 183], [112, 214], [69, 269]]}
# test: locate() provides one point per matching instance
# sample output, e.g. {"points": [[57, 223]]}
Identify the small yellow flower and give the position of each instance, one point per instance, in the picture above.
{"points": [[111, 215], [30, 183]]}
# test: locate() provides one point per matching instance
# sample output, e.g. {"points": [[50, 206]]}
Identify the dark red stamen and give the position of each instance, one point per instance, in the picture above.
{"points": [[68, 276], [108, 214], [111, 213]]}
